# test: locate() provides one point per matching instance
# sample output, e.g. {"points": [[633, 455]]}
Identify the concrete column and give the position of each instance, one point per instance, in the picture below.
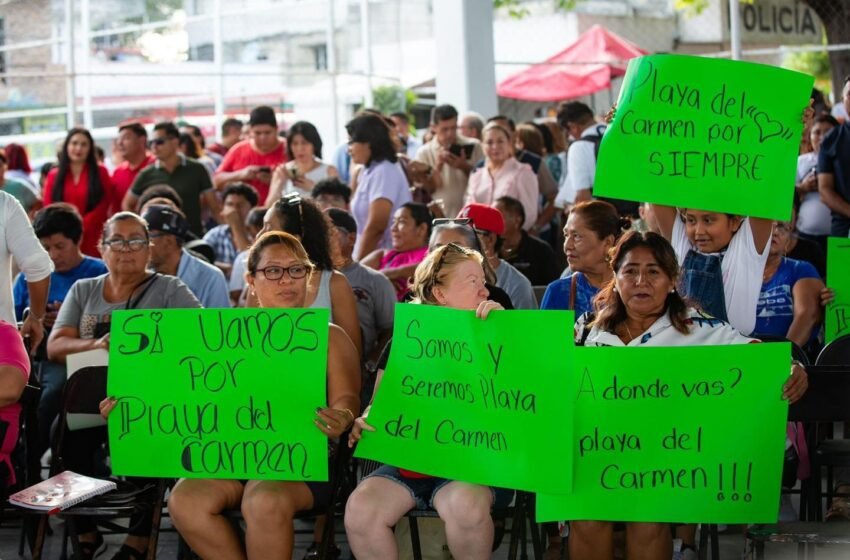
{"points": [[466, 71]]}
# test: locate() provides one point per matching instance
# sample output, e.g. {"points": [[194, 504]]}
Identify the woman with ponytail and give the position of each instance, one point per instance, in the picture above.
{"points": [[82, 182], [592, 229]]}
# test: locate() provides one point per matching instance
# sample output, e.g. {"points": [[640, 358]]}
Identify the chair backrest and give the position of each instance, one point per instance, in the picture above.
{"points": [[836, 353], [797, 353], [538, 293], [85, 389], [827, 398]]}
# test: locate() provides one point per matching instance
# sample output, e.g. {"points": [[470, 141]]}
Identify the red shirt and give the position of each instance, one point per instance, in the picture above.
{"points": [[76, 194], [122, 180], [242, 154]]}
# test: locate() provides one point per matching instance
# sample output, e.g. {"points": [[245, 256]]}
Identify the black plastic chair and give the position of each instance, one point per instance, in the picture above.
{"points": [[836, 353], [82, 392], [827, 400]]}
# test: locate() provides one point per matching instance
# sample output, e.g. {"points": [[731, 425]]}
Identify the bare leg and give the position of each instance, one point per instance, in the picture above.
{"points": [[195, 507], [648, 541], [688, 534], [591, 540], [372, 510], [269, 508], [465, 508]]}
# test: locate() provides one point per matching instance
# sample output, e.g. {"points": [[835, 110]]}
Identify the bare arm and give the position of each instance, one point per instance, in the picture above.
{"points": [[66, 340], [343, 384], [12, 385], [130, 202], [373, 259], [223, 178], [762, 230], [345, 310], [807, 310], [33, 325], [828, 195], [376, 225], [400, 272], [666, 216]]}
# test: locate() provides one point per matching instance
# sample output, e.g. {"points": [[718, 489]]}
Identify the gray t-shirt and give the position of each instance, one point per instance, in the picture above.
{"points": [[516, 285], [85, 309], [375, 302]]}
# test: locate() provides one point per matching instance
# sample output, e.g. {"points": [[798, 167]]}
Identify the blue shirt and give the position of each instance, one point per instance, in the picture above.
{"points": [[221, 240], [205, 280], [557, 294], [342, 162], [834, 157], [60, 283], [775, 311]]}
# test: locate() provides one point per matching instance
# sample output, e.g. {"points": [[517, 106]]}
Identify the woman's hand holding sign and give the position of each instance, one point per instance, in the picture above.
{"points": [[359, 426]]}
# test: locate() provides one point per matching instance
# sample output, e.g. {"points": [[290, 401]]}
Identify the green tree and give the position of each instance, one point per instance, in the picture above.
{"points": [[393, 99]]}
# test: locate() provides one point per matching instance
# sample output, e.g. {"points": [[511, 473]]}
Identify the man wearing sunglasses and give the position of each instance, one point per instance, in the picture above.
{"points": [[186, 176]]}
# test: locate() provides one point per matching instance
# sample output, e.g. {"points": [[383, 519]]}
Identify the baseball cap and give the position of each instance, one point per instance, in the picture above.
{"points": [[166, 219], [484, 218], [342, 219]]}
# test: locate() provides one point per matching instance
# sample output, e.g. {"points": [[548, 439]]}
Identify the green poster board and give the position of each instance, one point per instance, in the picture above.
{"points": [[679, 434], [705, 133], [218, 393], [838, 278], [477, 401]]}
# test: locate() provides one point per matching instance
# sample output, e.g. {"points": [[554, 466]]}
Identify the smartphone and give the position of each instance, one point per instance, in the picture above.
{"points": [[458, 149], [265, 169]]}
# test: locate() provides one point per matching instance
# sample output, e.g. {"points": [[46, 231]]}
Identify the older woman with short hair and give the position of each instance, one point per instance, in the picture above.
{"points": [[640, 306], [83, 324], [451, 276]]}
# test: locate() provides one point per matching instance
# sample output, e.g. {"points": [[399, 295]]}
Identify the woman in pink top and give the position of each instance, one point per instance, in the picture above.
{"points": [[14, 372], [502, 175], [411, 228]]}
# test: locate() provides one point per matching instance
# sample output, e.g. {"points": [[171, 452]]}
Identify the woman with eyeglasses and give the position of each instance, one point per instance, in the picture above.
{"points": [[451, 276], [328, 288], [81, 181], [279, 272], [83, 324]]}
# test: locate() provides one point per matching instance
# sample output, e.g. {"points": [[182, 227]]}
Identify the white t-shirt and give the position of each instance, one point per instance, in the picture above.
{"points": [[742, 268], [581, 166], [18, 240], [705, 331], [814, 217]]}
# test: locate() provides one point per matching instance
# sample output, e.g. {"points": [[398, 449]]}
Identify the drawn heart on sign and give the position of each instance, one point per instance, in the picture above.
{"points": [[156, 316], [768, 128]]}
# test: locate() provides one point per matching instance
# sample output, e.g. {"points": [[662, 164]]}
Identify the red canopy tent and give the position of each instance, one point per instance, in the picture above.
{"points": [[583, 68]]}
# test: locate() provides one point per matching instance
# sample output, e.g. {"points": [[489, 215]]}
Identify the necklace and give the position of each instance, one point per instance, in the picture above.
{"points": [[628, 330]]}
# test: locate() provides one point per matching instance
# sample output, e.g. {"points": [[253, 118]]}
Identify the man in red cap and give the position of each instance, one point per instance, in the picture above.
{"points": [[489, 224]]}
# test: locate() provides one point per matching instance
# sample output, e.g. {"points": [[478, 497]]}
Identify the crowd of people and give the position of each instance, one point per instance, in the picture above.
{"points": [[480, 214]]}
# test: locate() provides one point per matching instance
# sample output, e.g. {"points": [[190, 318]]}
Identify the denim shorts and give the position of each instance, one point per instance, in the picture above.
{"points": [[423, 490]]}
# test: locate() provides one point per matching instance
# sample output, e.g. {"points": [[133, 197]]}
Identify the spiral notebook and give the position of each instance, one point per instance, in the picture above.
{"points": [[61, 492]]}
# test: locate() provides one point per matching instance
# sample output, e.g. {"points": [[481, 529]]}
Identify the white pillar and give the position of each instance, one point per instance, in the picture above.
{"points": [[85, 24], [366, 41], [218, 63], [466, 70], [735, 28], [330, 49], [70, 86]]}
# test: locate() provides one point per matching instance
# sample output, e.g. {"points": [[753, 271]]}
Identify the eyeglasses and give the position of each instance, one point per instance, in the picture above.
{"points": [[295, 272], [118, 244], [158, 141]]}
